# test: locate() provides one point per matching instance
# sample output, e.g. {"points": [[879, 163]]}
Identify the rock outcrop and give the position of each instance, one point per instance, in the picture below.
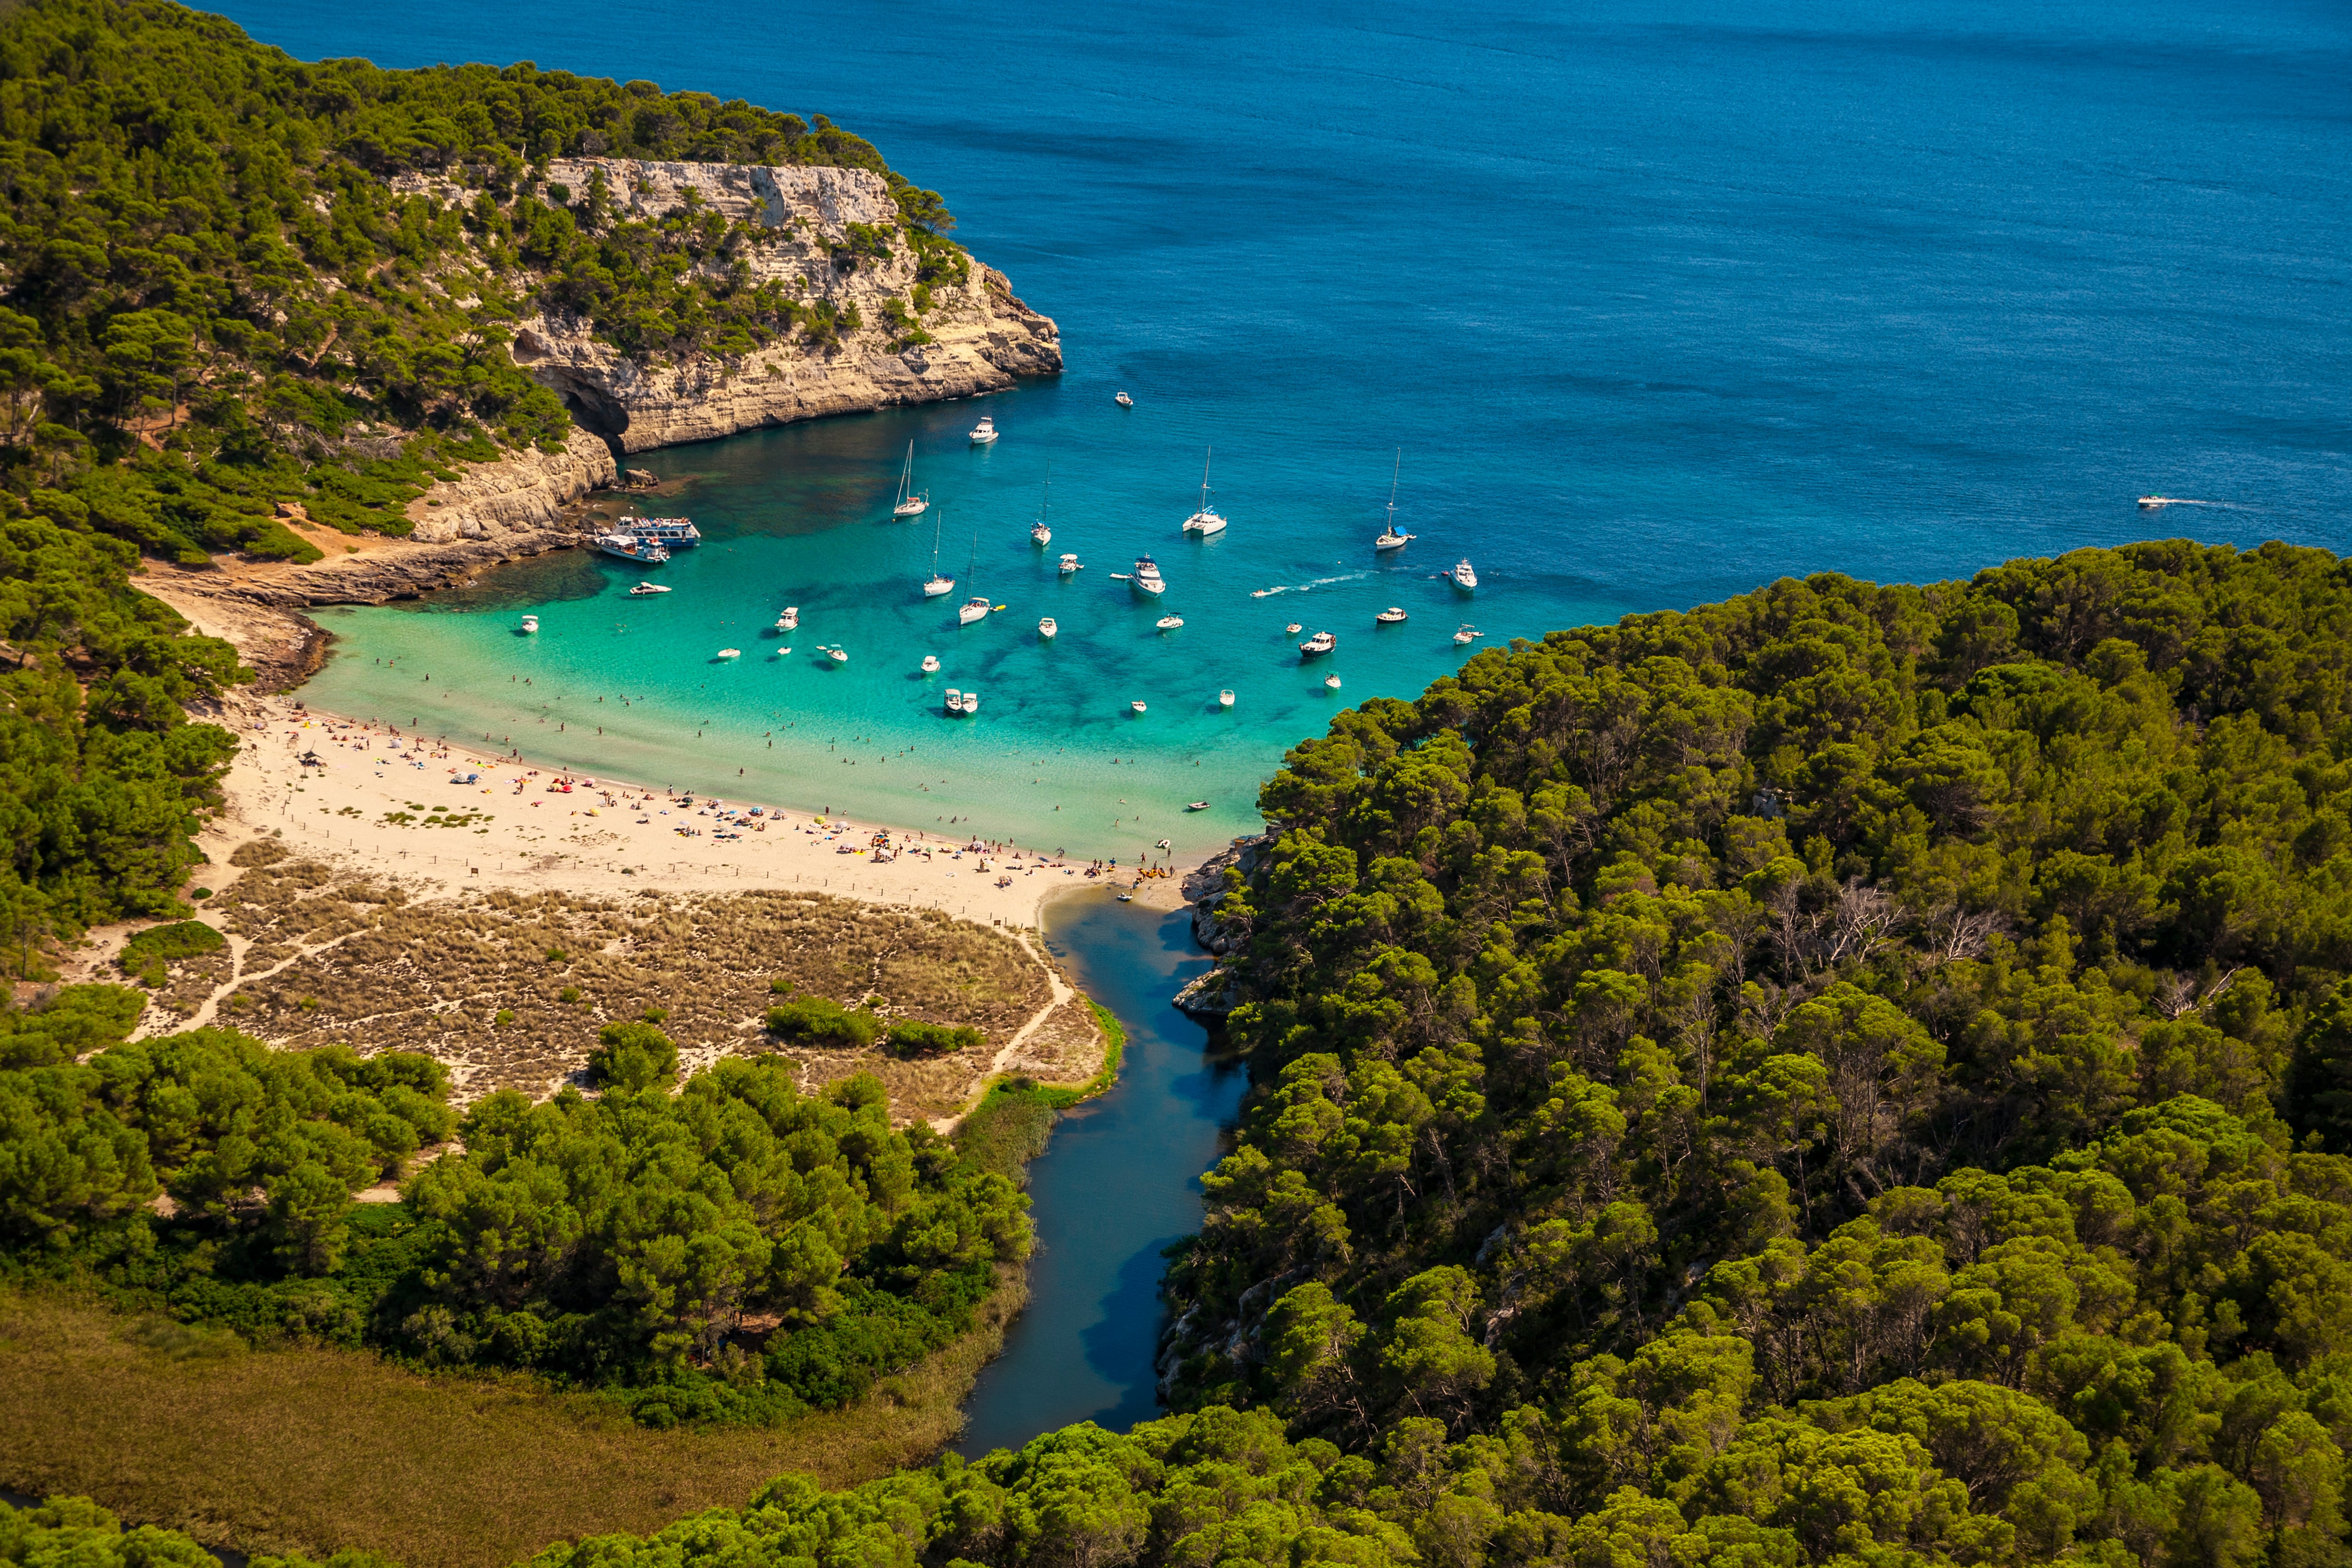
{"points": [[525, 492], [984, 335]]}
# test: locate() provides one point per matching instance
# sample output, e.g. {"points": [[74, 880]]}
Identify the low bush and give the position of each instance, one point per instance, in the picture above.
{"points": [[822, 1021], [909, 1038]]}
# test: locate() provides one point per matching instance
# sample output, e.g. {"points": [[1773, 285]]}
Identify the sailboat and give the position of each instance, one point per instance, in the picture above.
{"points": [[1205, 521], [909, 504], [976, 608], [935, 585], [1039, 534], [1390, 537]]}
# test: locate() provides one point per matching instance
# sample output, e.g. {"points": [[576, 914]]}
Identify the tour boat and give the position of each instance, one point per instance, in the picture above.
{"points": [[954, 700], [1390, 616], [976, 608], [1389, 539], [1205, 521], [935, 585], [909, 505], [837, 654], [1124, 401], [731, 652], [1170, 622], [1069, 564], [645, 590], [1463, 578], [1467, 634], [1136, 707], [529, 623], [1225, 698], [789, 618], [1320, 643], [1197, 805], [930, 664], [1039, 534], [628, 546], [1147, 577], [984, 432], [670, 533], [1293, 629], [2154, 503], [1331, 683], [1046, 627]]}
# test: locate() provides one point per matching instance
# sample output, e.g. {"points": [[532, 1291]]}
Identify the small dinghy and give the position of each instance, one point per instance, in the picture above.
{"points": [[839, 656], [1331, 683], [731, 652], [930, 664], [1135, 706], [529, 624], [1170, 622], [1225, 699], [1293, 629], [1197, 805], [1047, 626]]}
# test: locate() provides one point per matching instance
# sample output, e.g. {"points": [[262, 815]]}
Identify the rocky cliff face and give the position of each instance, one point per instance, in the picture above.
{"points": [[984, 337], [524, 492]]}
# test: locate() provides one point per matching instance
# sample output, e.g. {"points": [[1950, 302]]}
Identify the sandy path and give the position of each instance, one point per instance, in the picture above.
{"points": [[368, 797]]}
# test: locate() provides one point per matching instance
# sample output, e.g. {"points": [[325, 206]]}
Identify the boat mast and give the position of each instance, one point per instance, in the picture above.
{"points": [[1205, 478], [936, 524], [906, 475], [1392, 487]]}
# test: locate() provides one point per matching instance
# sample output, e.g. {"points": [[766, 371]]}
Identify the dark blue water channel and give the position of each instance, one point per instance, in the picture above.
{"points": [[1119, 1181]]}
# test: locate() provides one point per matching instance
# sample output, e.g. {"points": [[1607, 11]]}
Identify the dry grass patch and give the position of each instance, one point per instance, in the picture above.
{"points": [[509, 988], [315, 1450]]}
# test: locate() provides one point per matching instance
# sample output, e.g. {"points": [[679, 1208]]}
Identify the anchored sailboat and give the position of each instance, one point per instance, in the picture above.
{"points": [[909, 505], [935, 585], [1039, 534], [1205, 521], [1390, 537]]}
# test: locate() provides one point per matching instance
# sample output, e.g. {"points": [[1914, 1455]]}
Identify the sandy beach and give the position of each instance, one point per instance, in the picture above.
{"points": [[341, 791]]}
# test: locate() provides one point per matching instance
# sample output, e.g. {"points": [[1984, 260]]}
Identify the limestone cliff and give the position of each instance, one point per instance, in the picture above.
{"points": [[982, 336]]}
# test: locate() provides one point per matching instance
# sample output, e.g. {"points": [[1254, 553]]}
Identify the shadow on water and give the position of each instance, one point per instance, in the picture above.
{"points": [[1119, 1183]]}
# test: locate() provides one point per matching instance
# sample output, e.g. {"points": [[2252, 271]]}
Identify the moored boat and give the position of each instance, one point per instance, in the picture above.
{"points": [[976, 608], [1331, 683], [1046, 627], [529, 624], [1170, 623], [731, 652], [935, 585], [1225, 698], [670, 533], [1390, 536], [930, 664], [984, 432], [837, 654], [1196, 806], [1318, 646], [1040, 534], [789, 618], [1124, 401], [908, 504], [1135, 706], [1206, 520], [646, 590], [1467, 634], [1069, 564], [628, 546], [1147, 577], [1390, 616], [1463, 578]]}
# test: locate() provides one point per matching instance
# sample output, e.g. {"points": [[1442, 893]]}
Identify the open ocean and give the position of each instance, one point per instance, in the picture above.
{"points": [[1659, 302]]}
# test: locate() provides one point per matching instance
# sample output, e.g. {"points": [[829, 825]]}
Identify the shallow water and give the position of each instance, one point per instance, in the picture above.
{"points": [[1659, 301], [1119, 1185]]}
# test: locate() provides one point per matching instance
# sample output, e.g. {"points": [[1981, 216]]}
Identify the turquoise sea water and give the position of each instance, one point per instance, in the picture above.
{"points": [[1659, 301]]}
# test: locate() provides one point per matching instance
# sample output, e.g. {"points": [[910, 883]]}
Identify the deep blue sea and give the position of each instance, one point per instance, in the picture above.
{"points": [[1658, 301]]}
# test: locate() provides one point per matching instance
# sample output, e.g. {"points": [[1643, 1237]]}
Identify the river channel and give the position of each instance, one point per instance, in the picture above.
{"points": [[1119, 1181]]}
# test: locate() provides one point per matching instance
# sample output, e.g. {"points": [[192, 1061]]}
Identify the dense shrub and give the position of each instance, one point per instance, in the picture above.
{"points": [[911, 1038], [823, 1021], [631, 1056]]}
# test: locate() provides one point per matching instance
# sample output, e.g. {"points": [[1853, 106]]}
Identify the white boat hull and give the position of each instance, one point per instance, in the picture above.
{"points": [[1150, 585], [939, 587]]}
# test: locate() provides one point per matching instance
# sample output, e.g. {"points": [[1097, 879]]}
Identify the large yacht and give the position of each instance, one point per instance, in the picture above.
{"points": [[1147, 578], [1463, 578]]}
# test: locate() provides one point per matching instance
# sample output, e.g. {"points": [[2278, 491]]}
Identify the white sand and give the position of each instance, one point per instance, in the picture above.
{"points": [[612, 839]]}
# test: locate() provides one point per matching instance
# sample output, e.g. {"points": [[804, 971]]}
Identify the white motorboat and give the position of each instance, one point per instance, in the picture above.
{"points": [[1147, 577], [1467, 634], [789, 618], [628, 546], [2154, 503], [1390, 536], [1331, 683], [974, 608], [646, 590], [954, 701], [1463, 578], [909, 505], [1318, 646], [930, 664], [935, 585], [529, 624], [731, 652], [838, 654], [1136, 707], [1046, 628], [1039, 534], [984, 432], [1170, 622], [1197, 805], [1205, 521], [1069, 565], [1392, 616], [1225, 699], [1124, 401], [971, 702], [1293, 629]]}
